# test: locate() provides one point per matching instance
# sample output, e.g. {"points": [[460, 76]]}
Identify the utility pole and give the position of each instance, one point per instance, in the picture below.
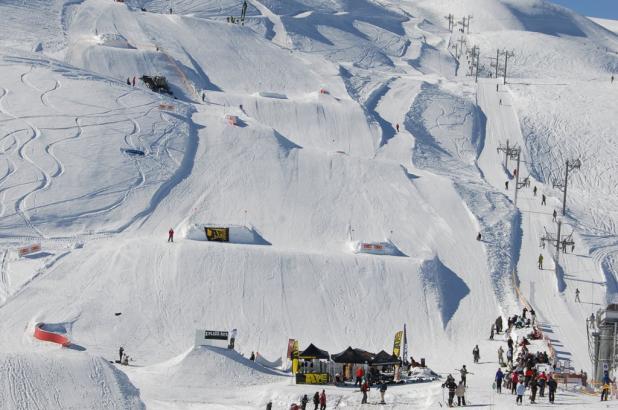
{"points": [[507, 54], [557, 240], [468, 25], [474, 64], [478, 57], [497, 62], [517, 186], [450, 18], [570, 166], [509, 152], [461, 42]]}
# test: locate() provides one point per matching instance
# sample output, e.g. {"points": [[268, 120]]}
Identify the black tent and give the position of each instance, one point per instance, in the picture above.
{"points": [[384, 358], [354, 356], [313, 352]]}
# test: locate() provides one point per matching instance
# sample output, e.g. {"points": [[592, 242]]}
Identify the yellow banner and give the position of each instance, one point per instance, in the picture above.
{"points": [[217, 234], [397, 343]]}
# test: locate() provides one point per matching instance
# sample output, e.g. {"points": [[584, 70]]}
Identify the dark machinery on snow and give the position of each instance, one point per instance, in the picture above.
{"points": [[156, 83]]}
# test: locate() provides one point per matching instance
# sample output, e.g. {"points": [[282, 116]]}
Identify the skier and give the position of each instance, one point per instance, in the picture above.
{"points": [[364, 389], [303, 402], [533, 389], [451, 386], [121, 352], [540, 260], [323, 400], [500, 101], [555, 215], [203, 97], [128, 81], [523, 312], [476, 354], [520, 390], [397, 127], [498, 380], [542, 381], [491, 334], [506, 185], [534, 191], [500, 356], [383, 388], [461, 392], [552, 386], [478, 236], [577, 295], [316, 400], [170, 235], [564, 245], [133, 81], [252, 357], [269, 405], [543, 200], [464, 372]]}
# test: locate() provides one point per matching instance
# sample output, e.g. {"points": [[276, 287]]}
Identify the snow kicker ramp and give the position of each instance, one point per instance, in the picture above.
{"points": [[65, 380]]}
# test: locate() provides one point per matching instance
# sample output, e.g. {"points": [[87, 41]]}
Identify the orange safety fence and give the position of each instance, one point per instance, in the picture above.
{"points": [[47, 336]]}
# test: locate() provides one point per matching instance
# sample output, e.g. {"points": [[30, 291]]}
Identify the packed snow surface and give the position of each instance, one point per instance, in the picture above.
{"points": [[362, 153]]}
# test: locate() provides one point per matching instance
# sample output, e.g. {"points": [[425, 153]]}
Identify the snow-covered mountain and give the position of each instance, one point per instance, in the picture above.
{"points": [[314, 126]]}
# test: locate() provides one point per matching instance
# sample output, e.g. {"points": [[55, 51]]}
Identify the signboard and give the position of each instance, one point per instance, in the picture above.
{"points": [[290, 348], [26, 250], [216, 338], [372, 247], [312, 378], [217, 234]]}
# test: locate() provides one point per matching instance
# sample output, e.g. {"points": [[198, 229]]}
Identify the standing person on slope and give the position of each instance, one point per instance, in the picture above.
{"points": [[552, 386], [460, 391], [498, 380], [464, 372], [540, 261], [452, 387], [323, 400], [170, 235], [520, 390], [364, 389], [383, 388], [476, 354], [316, 400]]}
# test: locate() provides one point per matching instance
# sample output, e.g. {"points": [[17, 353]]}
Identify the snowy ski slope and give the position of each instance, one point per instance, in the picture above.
{"points": [[314, 163]]}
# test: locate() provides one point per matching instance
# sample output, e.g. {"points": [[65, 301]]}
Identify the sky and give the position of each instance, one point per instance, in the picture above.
{"points": [[593, 8]]}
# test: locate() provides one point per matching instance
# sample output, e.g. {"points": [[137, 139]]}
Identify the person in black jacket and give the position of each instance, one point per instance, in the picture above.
{"points": [[451, 386], [316, 400], [303, 402], [552, 386]]}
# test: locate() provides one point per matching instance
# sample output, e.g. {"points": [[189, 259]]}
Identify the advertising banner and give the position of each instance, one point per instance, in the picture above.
{"points": [[217, 234]]}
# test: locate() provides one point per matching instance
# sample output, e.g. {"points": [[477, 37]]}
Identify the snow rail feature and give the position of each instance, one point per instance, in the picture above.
{"points": [[47, 336]]}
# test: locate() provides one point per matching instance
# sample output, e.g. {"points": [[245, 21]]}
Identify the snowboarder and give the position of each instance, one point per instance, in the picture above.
{"points": [[491, 334], [534, 191], [543, 200], [463, 372], [121, 352], [323, 400], [478, 236], [364, 390], [555, 215], [500, 101], [128, 81], [316, 400], [552, 386], [133, 81], [269, 405], [476, 354], [397, 127], [252, 357], [498, 380], [461, 392], [577, 295], [520, 390], [540, 260], [506, 185], [203, 97], [500, 356], [170, 235], [303, 402], [383, 388]]}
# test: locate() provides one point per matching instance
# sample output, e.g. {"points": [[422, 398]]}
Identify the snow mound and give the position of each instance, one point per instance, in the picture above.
{"points": [[209, 366], [237, 234], [114, 40], [443, 286], [59, 381]]}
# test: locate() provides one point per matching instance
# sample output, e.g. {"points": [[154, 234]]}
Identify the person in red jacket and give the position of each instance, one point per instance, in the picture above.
{"points": [[323, 400], [359, 376], [515, 380], [170, 235], [364, 390]]}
